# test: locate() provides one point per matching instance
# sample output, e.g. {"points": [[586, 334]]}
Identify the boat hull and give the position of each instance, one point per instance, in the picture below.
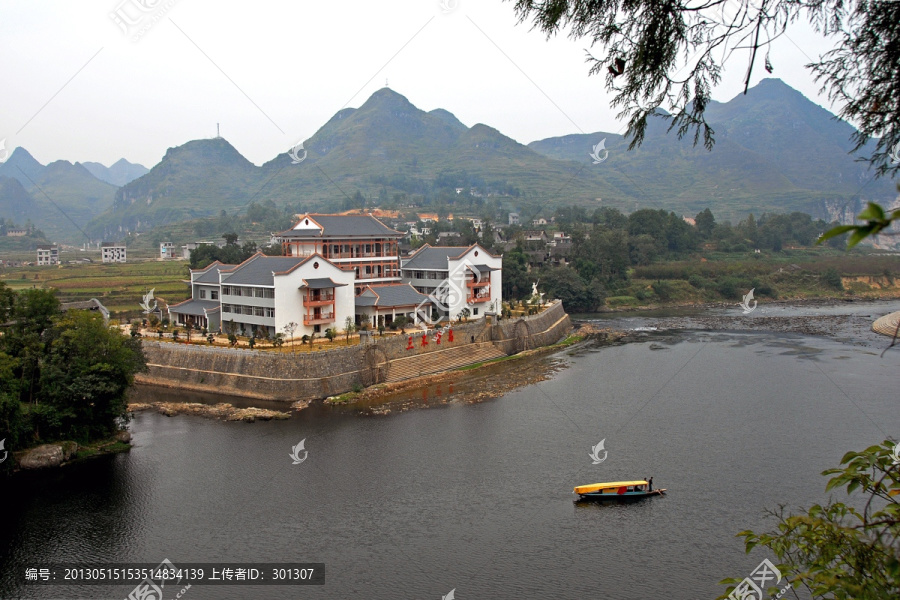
{"points": [[621, 497]]}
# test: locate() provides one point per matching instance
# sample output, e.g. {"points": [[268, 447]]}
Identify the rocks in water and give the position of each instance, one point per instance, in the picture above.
{"points": [[47, 455], [222, 410], [124, 436]]}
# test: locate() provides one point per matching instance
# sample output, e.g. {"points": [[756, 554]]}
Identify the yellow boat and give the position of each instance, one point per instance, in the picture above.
{"points": [[618, 490]]}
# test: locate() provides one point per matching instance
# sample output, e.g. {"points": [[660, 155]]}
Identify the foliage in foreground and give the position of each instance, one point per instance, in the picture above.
{"points": [[62, 375], [843, 551]]}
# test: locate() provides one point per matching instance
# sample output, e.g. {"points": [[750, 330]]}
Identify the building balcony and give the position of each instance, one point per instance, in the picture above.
{"points": [[478, 293], [319, 319], [319, 301]]}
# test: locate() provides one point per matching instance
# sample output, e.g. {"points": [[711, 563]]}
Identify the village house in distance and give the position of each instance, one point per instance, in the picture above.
{"points": [[111, 252], [47, 255], [339, 266]]}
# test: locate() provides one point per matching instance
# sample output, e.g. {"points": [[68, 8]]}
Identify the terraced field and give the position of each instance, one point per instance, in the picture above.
{"points": [[120, 287]]}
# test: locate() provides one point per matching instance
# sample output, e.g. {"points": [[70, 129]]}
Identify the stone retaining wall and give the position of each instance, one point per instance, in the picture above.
{"points": [[309, 375]]}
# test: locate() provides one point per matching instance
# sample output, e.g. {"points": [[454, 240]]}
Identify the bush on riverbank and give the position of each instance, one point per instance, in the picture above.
{"points": [[63, 376]]}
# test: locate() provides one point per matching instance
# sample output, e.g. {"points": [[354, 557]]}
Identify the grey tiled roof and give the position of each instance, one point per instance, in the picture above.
{"points": [[346, 226], [433, 257], [321, 283], [391, 295], [259, 269], [212, 273], [194, 307]]}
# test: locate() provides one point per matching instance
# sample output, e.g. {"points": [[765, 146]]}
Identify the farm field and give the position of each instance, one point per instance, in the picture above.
{"points": [[120, 287]]}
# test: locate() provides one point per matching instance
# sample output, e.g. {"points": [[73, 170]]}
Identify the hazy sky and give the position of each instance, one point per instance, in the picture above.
{"points": [[76, 87]]}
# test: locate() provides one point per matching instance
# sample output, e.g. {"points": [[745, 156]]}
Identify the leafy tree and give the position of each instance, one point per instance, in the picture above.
{"points": [[331, 333], [400, 321], [832, 279], [706, 222], [464, 314], [278, 340], [843, 551], [86, 373]]}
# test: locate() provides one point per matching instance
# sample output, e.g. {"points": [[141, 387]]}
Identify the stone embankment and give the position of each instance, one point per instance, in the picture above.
{"points": [[297, 377]]}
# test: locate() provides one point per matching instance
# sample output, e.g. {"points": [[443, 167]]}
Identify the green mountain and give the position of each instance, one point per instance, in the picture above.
{"points": [[59, 198], [775, 151], [197, 179], [120, 173]]}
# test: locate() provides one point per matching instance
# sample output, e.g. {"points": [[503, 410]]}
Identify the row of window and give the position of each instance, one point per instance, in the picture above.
{"points": [[252, 311], [213, 294], [250, 292], [424, 274]]}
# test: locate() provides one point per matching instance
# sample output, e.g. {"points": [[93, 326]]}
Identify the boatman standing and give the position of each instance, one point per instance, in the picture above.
{"points": [[650, 481]]}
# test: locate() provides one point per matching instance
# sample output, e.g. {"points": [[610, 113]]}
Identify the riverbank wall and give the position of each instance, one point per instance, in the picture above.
{"points": [[289, 377]]}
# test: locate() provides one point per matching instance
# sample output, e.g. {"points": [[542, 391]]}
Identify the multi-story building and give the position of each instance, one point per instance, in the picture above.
{"points": [[456, 277], [166, 250], [340, 266], [269, 293], [48, 255], [360, 243], [111, 252]]}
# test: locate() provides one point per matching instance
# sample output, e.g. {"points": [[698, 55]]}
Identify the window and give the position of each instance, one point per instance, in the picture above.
{"points": [[248, 310], [270, 312], [258, 292], [258, 311], [226, 308], [248, 292], [226, 290], [202, 294], [214, 295], [317, 329], [474, 311]]}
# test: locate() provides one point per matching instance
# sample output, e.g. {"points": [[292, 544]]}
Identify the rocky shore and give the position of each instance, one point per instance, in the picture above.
{"points": [[224, 411]]}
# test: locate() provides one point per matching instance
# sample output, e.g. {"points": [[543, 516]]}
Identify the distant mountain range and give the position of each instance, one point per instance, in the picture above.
{"points": [[775, 151], [60, 198]]}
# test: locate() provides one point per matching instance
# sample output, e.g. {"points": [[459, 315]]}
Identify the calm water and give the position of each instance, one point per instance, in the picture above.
{"points": [[478, 498]]}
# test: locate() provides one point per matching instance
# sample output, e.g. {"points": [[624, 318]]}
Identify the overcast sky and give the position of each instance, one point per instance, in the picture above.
{"points": [[76, 87]]}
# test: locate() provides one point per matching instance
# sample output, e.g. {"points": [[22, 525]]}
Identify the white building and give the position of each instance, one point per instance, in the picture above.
{"points": [[269, 292], [457, 277], [111, 252], [48, 255], [166, 250]]}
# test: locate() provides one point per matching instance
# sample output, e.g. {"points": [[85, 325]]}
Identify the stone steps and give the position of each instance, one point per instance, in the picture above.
{"points": [[442, 360]]}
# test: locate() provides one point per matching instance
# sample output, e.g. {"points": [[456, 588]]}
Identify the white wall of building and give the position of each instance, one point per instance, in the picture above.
{"points": [[456, 300], [289, 297]]}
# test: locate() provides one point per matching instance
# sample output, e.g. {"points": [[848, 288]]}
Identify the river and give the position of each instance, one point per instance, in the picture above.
{"points": [[477, 498]]}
